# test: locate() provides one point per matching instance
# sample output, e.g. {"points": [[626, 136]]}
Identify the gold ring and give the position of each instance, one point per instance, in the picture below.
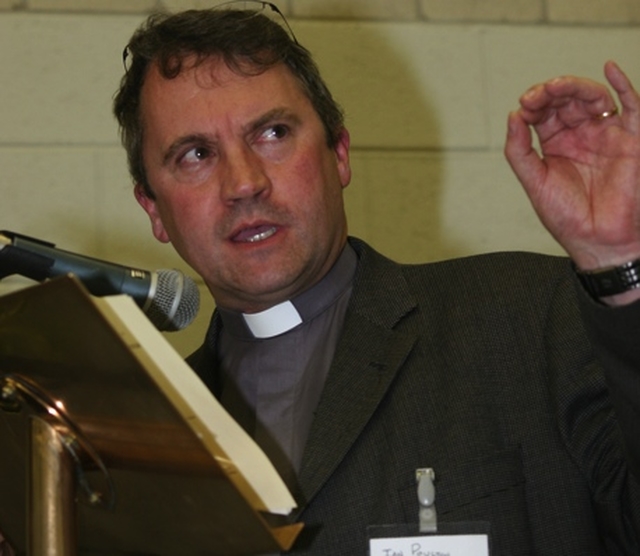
{"points": [[607, 114]]}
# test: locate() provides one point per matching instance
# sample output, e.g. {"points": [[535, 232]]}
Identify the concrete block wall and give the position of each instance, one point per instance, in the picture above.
{"points": [[426, 86]]}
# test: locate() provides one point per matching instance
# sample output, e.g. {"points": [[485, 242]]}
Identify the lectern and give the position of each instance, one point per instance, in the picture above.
{"points": [[111, 445]]}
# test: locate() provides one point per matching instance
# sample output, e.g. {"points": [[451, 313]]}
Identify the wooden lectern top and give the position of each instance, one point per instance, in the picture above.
{"points": [[186, 478]]}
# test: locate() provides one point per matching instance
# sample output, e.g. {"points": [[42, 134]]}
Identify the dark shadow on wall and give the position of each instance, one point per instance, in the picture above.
{"points": [[395, 199]]}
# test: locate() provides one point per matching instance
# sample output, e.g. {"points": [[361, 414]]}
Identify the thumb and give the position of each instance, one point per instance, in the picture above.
{"points": [[521, 156]]}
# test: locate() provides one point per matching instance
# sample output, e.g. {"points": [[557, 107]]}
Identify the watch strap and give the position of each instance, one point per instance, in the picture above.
{"points": [[611, 280]]}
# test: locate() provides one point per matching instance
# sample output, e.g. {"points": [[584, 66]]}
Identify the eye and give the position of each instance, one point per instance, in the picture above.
{"points": [[194, 162], [195, 155], [275, 132]]}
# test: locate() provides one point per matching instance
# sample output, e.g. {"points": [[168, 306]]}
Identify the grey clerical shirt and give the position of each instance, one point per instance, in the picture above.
{"points": [[274, 364]]}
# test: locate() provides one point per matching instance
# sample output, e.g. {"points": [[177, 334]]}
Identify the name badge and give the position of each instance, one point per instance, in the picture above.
{"points": [[428, 537], [430, 545]]}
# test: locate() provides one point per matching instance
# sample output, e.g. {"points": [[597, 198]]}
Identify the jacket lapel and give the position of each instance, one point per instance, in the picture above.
{"points": [[370, 352]]}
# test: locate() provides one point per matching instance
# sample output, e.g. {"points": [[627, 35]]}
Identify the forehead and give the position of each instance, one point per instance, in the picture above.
{"points": [[213, 79]]}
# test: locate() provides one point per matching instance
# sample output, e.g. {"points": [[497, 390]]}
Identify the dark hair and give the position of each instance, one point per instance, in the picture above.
{"points": [[248, 42]]}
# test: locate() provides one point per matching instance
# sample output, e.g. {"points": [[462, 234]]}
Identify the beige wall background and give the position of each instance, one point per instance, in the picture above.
{"points": [[426, 86]]}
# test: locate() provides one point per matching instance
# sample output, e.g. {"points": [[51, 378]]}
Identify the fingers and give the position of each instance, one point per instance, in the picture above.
{"points": [[628, 96], [621, 83], [556, 92], [572, 100], [569, 102], [569, 99]]}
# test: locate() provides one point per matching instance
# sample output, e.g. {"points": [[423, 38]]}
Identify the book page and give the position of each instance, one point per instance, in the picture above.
{"points": [[242, 459]]}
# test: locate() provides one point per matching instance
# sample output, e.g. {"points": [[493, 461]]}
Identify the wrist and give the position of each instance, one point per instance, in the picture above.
{"points": [[613, 284]]}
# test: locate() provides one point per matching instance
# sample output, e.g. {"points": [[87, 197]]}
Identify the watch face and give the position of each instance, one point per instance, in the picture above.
{"points": [[630, 274]]}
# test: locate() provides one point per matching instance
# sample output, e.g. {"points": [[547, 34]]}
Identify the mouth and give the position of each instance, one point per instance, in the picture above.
{"points": [[255, 234]]}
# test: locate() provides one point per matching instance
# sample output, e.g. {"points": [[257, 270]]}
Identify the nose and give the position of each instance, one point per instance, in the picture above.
{"points": [[244, 176]]}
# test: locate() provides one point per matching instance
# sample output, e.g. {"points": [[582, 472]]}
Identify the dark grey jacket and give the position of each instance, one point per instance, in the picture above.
{"points": [[480, 368]]}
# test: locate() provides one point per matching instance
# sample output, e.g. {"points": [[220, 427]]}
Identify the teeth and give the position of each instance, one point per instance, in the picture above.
{"points": [[261, 236]]}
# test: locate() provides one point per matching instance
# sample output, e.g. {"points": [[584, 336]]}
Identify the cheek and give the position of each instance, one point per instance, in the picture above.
{"points": [[189, 231], [181, 214], [317, 173], [322, 197]]}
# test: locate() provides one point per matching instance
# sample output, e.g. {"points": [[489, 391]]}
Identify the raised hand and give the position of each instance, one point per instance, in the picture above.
{"points": [[584, 183]]}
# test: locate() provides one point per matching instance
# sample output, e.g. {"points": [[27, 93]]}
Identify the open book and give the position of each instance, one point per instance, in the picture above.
{"points": [[232, 447], [187, 477]]}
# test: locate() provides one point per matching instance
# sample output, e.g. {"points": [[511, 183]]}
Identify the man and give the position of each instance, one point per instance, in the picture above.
{"points": [[351, 371]]}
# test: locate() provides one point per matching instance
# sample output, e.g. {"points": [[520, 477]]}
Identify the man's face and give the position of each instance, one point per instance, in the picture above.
{"points": [[246, 188]]}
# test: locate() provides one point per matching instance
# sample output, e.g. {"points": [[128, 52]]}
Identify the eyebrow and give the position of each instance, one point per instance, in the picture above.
{"points": [[178, 144], [270, 116]]}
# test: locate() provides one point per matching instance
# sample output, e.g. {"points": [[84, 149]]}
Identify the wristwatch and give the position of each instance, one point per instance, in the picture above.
{"points": [[611, 280]]}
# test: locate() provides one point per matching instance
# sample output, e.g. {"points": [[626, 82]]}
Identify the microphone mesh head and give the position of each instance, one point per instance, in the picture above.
{"points": [[175, 303]]}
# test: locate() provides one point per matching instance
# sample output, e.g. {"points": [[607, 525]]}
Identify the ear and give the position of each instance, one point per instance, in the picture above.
{"points": [[341, 149], [151, 208]]}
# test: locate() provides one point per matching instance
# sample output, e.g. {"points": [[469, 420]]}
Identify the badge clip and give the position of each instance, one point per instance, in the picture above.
{"points": [[427, 516]]}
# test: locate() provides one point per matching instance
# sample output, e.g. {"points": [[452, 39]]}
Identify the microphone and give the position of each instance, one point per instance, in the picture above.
{"points": [[169, 298]]}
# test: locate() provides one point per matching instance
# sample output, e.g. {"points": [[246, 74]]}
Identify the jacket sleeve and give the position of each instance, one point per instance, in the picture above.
{"points": [[593, 357], [615, 333]]}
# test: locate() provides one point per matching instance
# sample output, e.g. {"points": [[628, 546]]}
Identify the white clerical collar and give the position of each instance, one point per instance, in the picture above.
{"points": [[274, 321], [290, 314]]}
